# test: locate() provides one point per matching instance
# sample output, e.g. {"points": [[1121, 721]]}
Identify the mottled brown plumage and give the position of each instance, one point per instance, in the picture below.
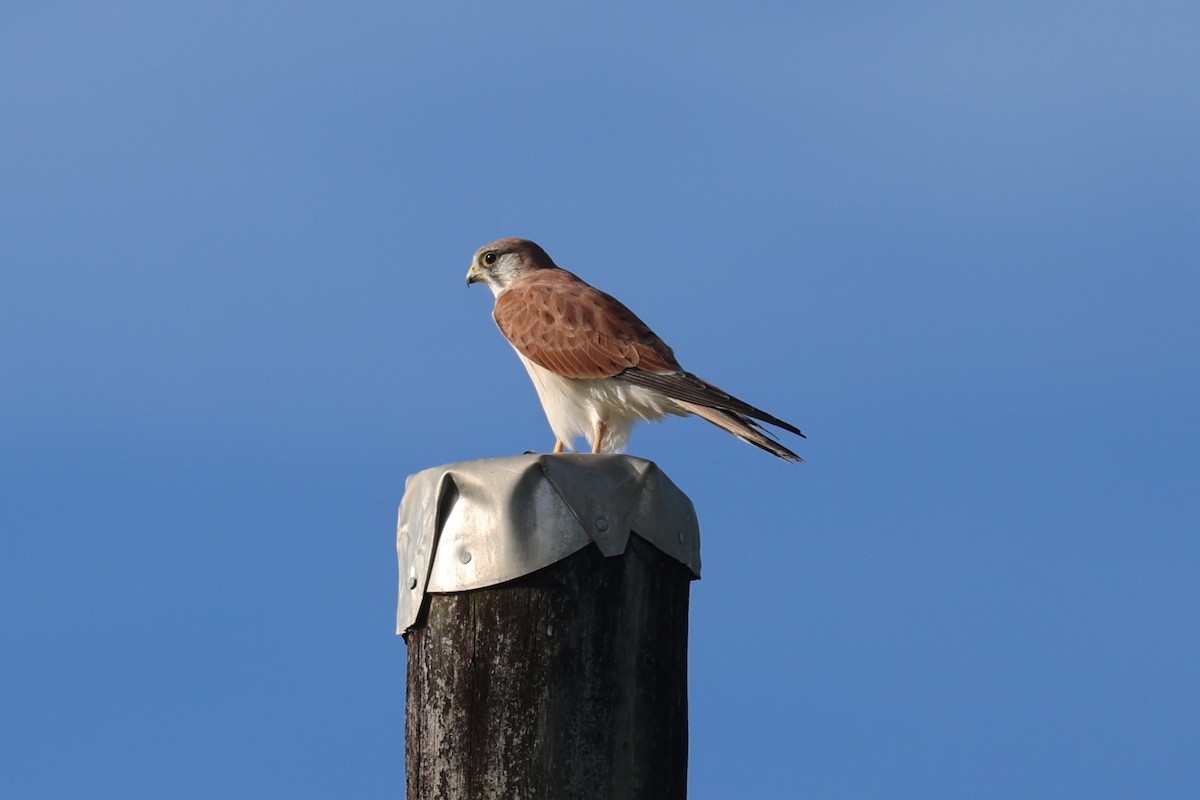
{"points": [[563, 324]]}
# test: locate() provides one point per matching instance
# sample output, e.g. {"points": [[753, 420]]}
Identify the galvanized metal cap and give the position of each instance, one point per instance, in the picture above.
{"points": [[479, 523]]}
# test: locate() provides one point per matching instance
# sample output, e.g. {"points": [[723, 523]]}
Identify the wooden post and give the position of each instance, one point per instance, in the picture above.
{"points": [[566, 682]]}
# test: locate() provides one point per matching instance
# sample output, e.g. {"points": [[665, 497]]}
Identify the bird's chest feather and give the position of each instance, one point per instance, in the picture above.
{"points": [[567, 402], [573, 405]]}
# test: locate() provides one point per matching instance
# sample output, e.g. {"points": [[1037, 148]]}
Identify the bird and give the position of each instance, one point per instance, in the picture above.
{"points": [[597, 368]]}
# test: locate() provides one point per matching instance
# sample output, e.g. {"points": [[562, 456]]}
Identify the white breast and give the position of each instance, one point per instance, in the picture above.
{"points": [[574, 407]]}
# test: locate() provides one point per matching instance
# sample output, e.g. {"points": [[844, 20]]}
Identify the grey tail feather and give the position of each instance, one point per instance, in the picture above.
{"points": [[717, 406], [687, 388], [742, 427]]}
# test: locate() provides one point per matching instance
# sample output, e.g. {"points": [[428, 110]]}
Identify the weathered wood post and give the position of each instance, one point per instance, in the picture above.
{"points": [[544, 602]]}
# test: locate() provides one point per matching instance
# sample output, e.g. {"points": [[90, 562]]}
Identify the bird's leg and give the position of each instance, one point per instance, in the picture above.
{"points": [[601, 427], [558, 446]]}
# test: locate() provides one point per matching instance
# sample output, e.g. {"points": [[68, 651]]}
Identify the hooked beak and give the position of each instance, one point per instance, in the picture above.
{"points": [[474, 275]]}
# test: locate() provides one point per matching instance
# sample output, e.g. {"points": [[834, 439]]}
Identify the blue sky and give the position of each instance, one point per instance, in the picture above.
{"points": [[956, 244]]}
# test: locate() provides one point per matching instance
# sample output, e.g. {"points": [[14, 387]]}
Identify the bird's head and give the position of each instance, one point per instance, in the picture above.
{"points": [[503, 261]]}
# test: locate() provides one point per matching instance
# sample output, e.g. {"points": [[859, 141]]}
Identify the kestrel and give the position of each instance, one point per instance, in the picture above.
{"points": [[597, 367]]}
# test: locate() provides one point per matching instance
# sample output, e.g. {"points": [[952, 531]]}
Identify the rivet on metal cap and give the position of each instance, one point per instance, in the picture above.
{"points": [[601, 524], [412, 583], [464, 557]]}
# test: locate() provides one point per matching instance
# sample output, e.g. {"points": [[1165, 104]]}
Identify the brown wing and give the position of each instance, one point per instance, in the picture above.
{"points": [[561, 323]]}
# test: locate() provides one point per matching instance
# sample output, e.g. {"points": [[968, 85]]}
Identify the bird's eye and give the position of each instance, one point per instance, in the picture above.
{"points": [[489, 257]]}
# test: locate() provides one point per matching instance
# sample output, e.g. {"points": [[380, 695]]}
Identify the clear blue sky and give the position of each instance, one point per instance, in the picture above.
{"points": [[958, 244]]}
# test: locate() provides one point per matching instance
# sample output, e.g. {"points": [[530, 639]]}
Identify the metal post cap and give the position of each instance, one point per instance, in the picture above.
{"points": [[479, 523]]}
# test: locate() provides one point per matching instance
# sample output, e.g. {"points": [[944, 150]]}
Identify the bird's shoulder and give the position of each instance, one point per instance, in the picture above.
{"points": [[553, 309]]}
